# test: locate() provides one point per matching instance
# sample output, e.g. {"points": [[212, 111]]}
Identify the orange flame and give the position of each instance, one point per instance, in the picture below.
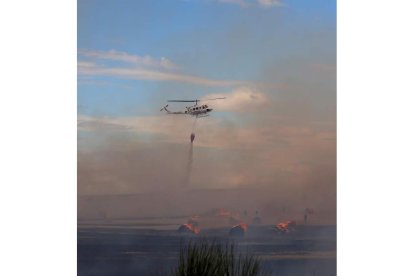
{"points": [[190, 227], [286, 226], [196, 230]]}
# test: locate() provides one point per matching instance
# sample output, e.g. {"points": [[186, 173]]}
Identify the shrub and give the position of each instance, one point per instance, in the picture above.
{"points": [[215, 259]]}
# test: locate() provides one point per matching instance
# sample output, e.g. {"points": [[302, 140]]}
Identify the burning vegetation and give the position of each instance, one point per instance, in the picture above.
{"points": [[218, 217], [286, 226], [238, 230], [189, 228]]}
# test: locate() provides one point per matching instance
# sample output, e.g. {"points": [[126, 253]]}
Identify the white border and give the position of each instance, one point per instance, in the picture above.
{"points": [[375, 137], [38, 140]]}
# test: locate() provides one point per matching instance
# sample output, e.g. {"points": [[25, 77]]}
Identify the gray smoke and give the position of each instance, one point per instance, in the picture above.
{"points": [[189, 166]]}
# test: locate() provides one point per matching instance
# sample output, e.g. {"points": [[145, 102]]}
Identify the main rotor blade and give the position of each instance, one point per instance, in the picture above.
{"points": [[183, 101], [194, 101], [222, 98]]}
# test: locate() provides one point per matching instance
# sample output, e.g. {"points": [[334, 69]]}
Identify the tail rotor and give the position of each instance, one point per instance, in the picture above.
{"points": [[164, 108]]}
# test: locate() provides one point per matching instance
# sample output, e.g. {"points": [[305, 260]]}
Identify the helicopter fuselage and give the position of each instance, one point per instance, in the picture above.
{"points": [[198, 110], [195, 110]]}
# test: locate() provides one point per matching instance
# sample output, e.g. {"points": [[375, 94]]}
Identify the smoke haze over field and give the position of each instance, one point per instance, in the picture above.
{"points": [[274, 163], [270, 145]]}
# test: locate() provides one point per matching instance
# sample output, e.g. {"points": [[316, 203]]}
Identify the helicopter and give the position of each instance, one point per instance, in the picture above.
{"points": [[194, 110]]}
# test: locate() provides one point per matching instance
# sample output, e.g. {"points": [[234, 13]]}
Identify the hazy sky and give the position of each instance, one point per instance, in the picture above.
{"points": [[275, 61]]}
